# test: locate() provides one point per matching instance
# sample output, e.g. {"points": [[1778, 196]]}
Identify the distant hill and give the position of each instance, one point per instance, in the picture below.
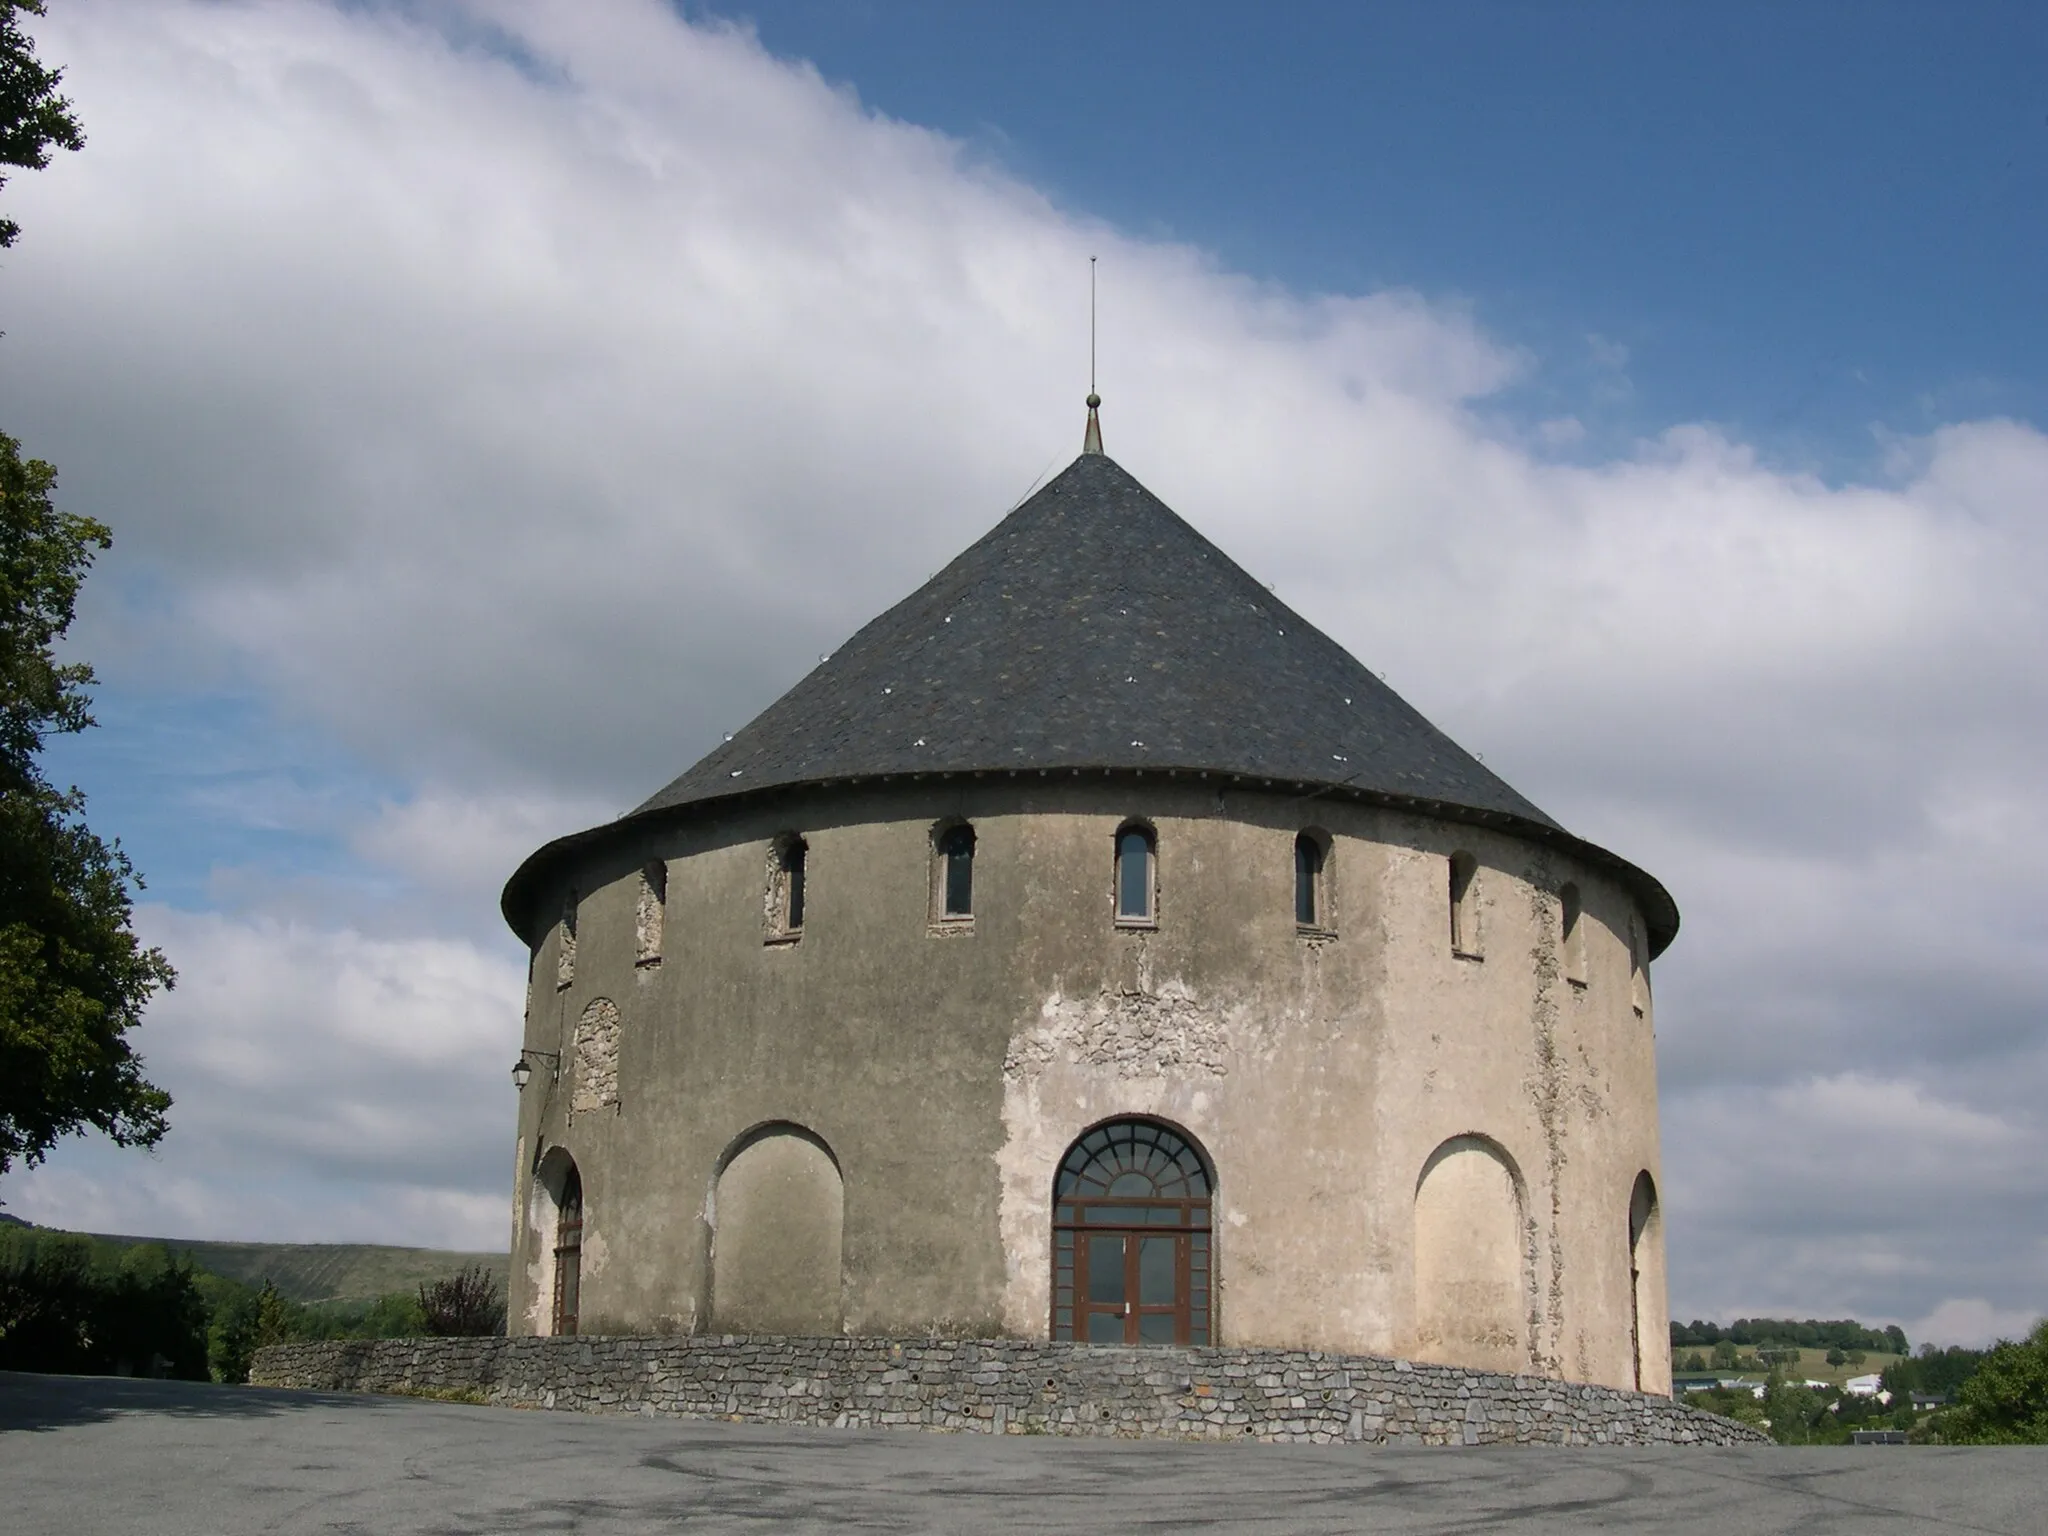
{"points": [[309, 1272]]}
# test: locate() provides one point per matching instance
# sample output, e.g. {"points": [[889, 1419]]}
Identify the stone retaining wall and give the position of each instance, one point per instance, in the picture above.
{"points": [[1007, 1386]]}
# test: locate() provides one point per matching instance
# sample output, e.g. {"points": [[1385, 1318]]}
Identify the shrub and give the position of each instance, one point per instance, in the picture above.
{"points": [[466, 1304]]}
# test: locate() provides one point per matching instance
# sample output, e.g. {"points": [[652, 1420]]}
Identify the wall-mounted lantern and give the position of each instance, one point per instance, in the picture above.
{"points": [[522, 1069]]}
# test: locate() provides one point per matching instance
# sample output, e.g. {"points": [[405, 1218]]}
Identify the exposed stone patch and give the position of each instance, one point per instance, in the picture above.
{"points": [[597, 1058], [1546, 1341], [1166, 1033], [565, 945], [1007, 1386], [649, 913]]}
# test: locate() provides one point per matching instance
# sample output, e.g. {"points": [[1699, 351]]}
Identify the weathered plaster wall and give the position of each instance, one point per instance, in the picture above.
{"points": [[948, 1066], [1008, 1387]]}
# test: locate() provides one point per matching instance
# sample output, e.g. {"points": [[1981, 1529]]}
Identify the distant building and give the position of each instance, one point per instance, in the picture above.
{"points": [[1865, 1386]]}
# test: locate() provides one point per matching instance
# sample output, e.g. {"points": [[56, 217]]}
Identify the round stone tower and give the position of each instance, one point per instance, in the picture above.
{"points": [[1091, 949]]}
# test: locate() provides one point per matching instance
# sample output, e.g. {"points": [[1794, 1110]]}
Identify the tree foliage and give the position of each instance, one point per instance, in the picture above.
{"points": [[2006, 1401], [1935, 1371], [73, 977], [33, 117], [72, 1305], [1785, 1332], [246, 1319]]}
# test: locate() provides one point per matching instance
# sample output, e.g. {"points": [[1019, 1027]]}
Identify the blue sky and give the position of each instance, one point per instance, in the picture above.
{"points": [[464, 382], [1807, 221]]}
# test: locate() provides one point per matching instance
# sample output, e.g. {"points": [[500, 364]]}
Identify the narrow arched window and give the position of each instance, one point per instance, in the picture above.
{"points": [[1311, 905], [793, 860], [569, 1254], [1136, 875], [1572, 935], [956, 873], [1465, 906], [786, 861]]}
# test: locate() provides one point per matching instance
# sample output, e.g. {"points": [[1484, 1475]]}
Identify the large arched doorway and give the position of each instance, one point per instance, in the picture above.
{"points": [[1132, 1252], [568, 1299], [1647, 1330]]}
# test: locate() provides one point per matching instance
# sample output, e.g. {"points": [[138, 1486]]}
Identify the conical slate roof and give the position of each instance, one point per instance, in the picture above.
{"points": [[1094, 629]]}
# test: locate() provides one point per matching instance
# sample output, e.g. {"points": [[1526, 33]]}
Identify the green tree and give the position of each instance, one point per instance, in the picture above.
{"points": [[1801, 1416], [73, 977], [70, 1304], [231, 1336], [2006, 1402], [33, 117], [277, 1320]]}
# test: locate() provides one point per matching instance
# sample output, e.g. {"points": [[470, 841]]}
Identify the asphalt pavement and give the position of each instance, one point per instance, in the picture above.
{"points": [[81, 1456]]}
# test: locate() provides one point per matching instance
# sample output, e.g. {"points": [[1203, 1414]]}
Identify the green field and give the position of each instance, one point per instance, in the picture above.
{"points": [[1813, 1364], [315, 1272]]}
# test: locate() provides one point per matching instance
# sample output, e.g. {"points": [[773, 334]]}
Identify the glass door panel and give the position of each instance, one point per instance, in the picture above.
{"points": [[1135, 1284], [1106, 1303]]}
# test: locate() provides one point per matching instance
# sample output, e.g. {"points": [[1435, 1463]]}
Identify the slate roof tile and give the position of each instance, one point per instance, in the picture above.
{"points": [[1093, 628]]}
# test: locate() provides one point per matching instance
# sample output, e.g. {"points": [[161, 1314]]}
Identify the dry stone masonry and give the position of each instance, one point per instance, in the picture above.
{"points": [[1006, 1386]]}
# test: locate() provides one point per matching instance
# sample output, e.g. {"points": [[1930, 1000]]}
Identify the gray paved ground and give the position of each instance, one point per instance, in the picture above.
{"points": [[82, 1456]]}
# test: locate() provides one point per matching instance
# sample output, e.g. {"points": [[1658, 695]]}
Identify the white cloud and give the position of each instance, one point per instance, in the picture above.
{"points": [[466, 844], [327, 1087], [1973, 1323], [526, 395]]}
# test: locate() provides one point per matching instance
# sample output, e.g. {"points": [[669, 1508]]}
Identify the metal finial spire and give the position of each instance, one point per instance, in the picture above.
{"points": [[1091, 441]]}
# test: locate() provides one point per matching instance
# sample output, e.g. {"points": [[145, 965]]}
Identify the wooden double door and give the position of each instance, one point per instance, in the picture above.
{"points": [[1131, 1272]]}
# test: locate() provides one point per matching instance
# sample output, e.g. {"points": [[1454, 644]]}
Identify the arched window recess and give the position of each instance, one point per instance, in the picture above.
{"points": [[1464, 908], [1571, 936], [953, 877], [1312, 916], [787, 859], [1137, 876]]}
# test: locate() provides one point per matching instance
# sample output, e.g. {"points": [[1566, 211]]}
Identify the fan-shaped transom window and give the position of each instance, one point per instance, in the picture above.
{"points": [[1131, 1238]]}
